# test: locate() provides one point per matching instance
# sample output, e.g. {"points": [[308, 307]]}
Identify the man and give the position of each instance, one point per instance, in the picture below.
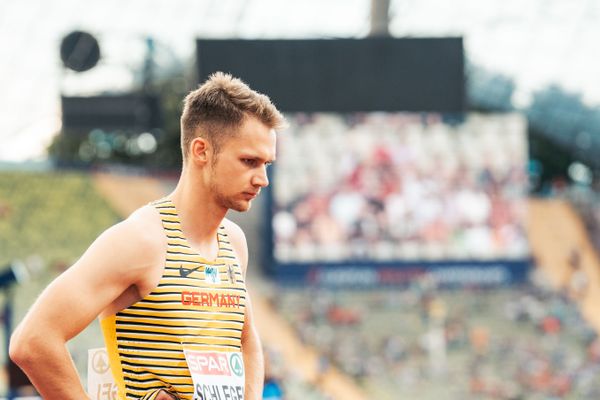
{"points": [[168, 282]]}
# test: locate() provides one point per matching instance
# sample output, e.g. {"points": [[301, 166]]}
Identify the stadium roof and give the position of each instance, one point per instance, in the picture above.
{"points": [[536, 42]]}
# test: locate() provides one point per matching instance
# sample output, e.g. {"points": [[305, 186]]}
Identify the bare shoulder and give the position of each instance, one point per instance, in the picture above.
{"points": [[238, 240], [133, 244], [145, 221], [233, 230]]}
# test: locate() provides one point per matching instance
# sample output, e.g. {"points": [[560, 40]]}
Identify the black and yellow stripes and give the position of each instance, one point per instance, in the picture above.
{"points": [[198, 304]]}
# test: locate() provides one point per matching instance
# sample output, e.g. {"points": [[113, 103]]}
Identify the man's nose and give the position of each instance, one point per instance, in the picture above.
{"points": [[261, 179]]}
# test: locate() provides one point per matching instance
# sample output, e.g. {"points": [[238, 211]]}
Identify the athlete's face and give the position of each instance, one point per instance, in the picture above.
{"points": [[240, 169]]}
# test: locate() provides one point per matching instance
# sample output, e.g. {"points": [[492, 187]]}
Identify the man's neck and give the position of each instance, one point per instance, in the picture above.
{"points": [[199, 215]]}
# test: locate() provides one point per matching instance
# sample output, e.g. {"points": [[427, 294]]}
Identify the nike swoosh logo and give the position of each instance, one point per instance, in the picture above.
{"points": [[184, 272]]}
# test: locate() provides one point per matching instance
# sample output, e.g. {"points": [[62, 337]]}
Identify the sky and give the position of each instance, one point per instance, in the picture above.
{"points": [[536, 42]]}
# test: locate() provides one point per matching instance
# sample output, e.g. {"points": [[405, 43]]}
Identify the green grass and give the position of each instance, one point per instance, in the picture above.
{"points": [[53, 215]]}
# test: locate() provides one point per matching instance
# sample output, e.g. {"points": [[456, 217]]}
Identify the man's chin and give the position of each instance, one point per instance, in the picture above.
{"points": [[241, 206]]}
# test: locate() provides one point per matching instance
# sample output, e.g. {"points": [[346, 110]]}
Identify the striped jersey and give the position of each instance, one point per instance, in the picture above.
{"points": [[197, 306]]}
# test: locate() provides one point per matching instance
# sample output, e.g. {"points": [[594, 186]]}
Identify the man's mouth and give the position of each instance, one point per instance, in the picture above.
{"points": [[250, 195]]}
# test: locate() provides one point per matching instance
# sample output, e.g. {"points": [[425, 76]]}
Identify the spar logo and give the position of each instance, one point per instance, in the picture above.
{"points": [[237, 364], [208, 363]]}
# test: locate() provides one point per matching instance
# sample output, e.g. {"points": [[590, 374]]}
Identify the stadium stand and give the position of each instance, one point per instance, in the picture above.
{"points": [[391, 187], [280, 337], [421, 342]]}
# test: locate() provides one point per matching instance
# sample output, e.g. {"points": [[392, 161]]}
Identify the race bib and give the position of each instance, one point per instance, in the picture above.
{"points": [[217, 375], [100, 382]]}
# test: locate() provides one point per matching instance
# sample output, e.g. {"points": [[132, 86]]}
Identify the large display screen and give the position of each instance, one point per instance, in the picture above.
{"points": [[384, 187], [344, 75]]}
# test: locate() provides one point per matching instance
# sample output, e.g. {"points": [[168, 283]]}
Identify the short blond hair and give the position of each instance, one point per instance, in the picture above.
{"points": [[218, 106]]}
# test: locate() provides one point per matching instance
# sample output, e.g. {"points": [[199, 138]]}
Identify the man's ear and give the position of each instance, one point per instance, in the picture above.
{"points": [[199, 150]]}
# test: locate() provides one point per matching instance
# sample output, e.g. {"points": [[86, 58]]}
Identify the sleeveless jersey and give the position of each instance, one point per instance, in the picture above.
{"points": [[198, 305]]}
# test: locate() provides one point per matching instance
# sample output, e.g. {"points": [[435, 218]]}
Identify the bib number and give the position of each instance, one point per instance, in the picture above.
{"points": [[217, 375]]}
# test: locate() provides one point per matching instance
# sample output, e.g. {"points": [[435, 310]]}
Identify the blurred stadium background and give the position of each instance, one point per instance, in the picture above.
{"points": [[433, 225]]}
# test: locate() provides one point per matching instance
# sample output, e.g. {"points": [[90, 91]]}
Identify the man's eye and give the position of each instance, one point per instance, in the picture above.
{"points": [[249, 161]]}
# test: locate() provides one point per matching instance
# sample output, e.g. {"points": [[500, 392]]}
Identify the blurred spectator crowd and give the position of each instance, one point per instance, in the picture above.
{"points": [[526, 342], [381, 186]]}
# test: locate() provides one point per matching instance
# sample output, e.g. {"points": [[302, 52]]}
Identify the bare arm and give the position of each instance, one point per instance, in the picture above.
{"points": [[111, 266], [254, 364], [251, 345]]}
